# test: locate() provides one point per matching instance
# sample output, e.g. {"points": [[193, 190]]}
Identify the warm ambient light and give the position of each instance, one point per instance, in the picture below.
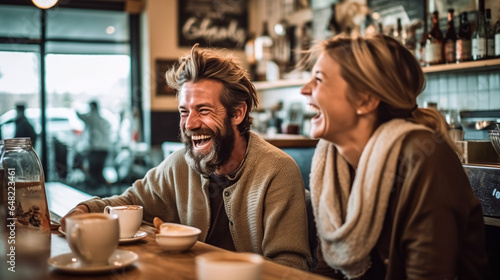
{"points": [[44, 4]]}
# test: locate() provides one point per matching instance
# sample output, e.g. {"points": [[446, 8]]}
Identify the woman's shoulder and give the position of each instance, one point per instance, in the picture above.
{"points": [[424, 143]]}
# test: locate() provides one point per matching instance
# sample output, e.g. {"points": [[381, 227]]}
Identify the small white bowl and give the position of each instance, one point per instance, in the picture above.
{"points": [[177, 237]]}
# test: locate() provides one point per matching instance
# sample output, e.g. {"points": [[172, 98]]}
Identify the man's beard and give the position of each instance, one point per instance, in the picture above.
{"points": [[222, 147]]}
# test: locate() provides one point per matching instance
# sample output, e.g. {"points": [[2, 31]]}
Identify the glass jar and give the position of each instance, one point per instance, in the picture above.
{"points": [[24, 180], [27, 215]]}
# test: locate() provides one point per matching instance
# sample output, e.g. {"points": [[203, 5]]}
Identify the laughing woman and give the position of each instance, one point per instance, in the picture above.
{"points": [[390, 196]]}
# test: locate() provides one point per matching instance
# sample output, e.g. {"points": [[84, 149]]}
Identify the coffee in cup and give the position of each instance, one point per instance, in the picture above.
{"points": [[229, 266], [129, 218], [92, 237]]}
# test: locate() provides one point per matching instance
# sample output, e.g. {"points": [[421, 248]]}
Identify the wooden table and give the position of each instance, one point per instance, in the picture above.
{"points": [[154, 263]]}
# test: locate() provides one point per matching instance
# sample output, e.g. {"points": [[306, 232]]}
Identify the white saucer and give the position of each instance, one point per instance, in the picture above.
{"points": [[138, 236], [69, 263]]}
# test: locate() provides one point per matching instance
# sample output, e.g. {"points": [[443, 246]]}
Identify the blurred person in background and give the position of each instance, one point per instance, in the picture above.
{"points": [[23, 126], [390, 197], [245, 194], [96, 143]]}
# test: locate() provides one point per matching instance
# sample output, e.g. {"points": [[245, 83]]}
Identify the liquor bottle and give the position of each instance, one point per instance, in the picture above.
{"points": [[263, 52], [421, 46], [479, 43], [496, 29], [490, 35], [250, 55], [263, 44], [450, 39], [464, 44], [434, 42], [398, 32], [368, 28]]}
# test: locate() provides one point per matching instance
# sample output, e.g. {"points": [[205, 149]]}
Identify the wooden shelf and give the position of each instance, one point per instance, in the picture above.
{"points": [[458, 67], [464, 66]]}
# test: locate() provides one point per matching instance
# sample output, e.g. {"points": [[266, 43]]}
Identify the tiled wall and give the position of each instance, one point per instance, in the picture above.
{"points": [[472, 90]]}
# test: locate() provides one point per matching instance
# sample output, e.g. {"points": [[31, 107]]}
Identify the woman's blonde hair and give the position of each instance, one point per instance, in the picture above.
{"points": [[202, 64], [381, 66]]}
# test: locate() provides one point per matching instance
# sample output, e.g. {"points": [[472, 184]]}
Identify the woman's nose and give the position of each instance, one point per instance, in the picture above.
{"points": [[306, 89]]}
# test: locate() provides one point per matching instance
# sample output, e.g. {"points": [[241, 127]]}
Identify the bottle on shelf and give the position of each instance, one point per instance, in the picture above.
{"points": [[479, 41], [398, 32], [263, 52], [496, 29], [250, 55], [411, 38], [463, 43], [369, 27], [434, 42], [450, 39], [490, 36], [421, 46]]}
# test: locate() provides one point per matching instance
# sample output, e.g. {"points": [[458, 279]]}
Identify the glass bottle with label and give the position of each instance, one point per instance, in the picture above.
{"points": [[490, 35], [479, 43], [263, 52], [434, 42], [368, 28], [464, 45], [25, 181], [398, 32], [250, 55], [450, 39]]}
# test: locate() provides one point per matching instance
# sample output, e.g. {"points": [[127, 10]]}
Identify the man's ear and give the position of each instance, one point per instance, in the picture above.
{"points": [[367, 104], [239, 114]]}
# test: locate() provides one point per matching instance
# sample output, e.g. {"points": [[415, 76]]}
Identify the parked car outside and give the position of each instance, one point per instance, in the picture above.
{"points": [[64, 133]]}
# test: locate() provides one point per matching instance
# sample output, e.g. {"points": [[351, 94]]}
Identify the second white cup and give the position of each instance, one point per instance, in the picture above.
{"points": [[129, 218], [92, 237]]}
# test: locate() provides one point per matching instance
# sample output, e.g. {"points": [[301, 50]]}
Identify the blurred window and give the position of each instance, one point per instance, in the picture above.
{"points": [[87, 57]]}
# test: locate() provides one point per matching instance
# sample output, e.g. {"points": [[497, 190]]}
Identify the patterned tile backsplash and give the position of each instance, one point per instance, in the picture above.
{"points": [[478, 90]]}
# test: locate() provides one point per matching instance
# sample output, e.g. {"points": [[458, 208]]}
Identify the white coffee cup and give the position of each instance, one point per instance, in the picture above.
{"points": [[229, 266], [129, 217], [92, 237]]}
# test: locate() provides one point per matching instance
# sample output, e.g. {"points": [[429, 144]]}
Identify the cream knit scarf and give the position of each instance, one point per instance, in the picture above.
{"points": [[349, 221]]}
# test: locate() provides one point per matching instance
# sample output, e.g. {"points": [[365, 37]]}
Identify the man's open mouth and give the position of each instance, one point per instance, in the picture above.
{"points": [[200, 141]]}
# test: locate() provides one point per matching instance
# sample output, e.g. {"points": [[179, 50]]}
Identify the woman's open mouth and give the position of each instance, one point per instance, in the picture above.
{"points": [[315, 109]]}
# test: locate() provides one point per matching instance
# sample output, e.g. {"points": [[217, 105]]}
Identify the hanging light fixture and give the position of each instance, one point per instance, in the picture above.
{"points": [[44, 4]]}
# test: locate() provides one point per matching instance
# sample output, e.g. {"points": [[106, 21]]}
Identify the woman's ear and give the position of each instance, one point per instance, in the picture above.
{"points": [[239, 114], [367, 104]]}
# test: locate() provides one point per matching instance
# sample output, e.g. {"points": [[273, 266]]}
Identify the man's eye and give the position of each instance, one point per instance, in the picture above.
{"points": [[204, 111], [184, 113]]}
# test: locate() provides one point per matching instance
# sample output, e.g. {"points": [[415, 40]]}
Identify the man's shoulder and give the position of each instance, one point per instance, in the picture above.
{"points": [[261, 149]]}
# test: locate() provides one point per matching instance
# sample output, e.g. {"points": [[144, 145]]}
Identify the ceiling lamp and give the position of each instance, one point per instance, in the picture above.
{"points": [[44, 4]]}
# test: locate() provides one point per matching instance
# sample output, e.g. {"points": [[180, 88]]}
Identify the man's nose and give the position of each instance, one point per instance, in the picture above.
{"points": [[192, 121]]}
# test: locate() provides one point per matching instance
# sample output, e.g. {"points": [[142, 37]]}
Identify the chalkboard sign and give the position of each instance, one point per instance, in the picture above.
{"points": [[222, 23]]}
